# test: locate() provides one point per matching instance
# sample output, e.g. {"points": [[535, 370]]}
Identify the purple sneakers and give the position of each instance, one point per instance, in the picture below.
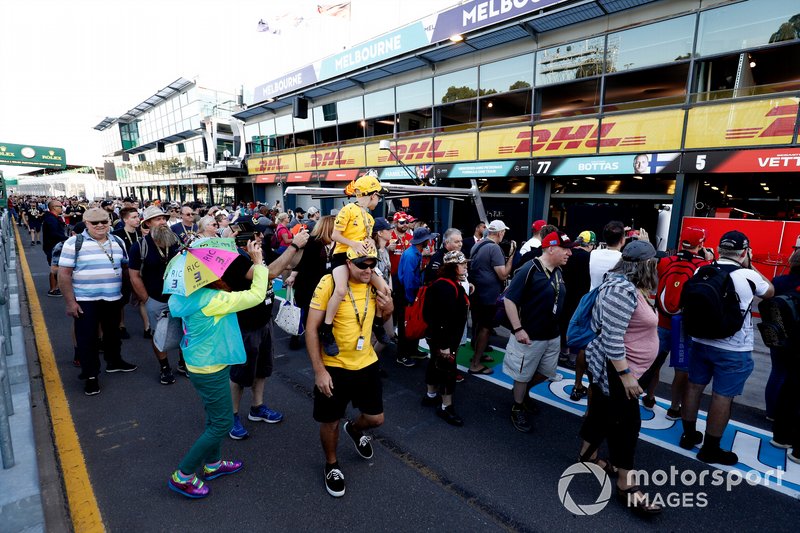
{"points": [[191, 488], [221, 469]]}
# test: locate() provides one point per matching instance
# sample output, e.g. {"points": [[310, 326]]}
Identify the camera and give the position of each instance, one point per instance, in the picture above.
{"points": [[246, 231]]}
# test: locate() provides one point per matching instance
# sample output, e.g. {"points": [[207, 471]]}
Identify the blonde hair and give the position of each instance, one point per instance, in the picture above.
{"points": [[282, 217], [323, 229]]}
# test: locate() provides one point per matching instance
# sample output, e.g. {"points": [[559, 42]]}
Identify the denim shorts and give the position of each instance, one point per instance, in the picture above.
{"points": [[665, 347], [729, 369]]}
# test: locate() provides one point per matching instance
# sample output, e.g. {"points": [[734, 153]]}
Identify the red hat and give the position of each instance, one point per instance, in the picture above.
{"points": [[558, 238], [538, 225], [692, 237], [399, 215]]}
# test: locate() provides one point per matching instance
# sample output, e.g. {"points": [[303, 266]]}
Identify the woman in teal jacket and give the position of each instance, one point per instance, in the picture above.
{"points": [[211, 343]]}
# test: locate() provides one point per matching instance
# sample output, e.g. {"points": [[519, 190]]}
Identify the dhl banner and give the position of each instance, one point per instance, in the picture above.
{"points": [[410, 151], [501, 143], [561, 138], [646, 132], [266, 178], [456, 147], [270, 164], [759, 122], [332, 158]]}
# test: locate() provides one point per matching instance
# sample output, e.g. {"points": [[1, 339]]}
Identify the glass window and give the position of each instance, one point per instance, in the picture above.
{"points": [[646, 88], [507, 75], [379, 103], [506, 108], [663, 42], [304, 124], [349, 110], [414, 95], [283, 125], [455, 86], [572, 61], [577, 98], [420, 121], [455, 114], [747, 25], [325, 123]]}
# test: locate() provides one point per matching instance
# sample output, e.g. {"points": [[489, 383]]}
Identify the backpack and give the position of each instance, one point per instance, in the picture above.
{"points": [[579, 331], [415, 325], [780, 317], [710, 304], [79, 245], [670, 285], [500, 315]]}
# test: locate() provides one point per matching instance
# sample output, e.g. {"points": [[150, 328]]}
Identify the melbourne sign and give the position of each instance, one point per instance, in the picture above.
{"points": [[32, 156]]}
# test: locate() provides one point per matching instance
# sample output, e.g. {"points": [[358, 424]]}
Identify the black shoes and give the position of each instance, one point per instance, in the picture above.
{"points": [[91, 387], [707, 454], [166, 377], [448, 414], [360, 441], [120, 366], [427, 401], [55, 293], [689, 441], [519, 417], [334, 480]]}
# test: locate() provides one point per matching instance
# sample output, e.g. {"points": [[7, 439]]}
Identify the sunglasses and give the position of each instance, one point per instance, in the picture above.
{"points": [[365, 265], [97, 222]]}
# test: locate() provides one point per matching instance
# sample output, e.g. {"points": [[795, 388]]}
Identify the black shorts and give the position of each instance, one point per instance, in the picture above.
{"points": [[361, 387], [49, 254], [35, 225], [258, 346], [483, 315], [338, 260]]}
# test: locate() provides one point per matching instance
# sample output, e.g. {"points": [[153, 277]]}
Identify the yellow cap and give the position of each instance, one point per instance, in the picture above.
{"points": [[353, 255], [368, 184]]}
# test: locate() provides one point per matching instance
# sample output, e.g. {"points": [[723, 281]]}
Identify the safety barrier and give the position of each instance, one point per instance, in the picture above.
{"points": [[7, 404]]}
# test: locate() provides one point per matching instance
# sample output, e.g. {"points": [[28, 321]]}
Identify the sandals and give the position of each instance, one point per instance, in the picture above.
{"points": [[484, 370], [578, 393], [605, 464], [639, 506]]}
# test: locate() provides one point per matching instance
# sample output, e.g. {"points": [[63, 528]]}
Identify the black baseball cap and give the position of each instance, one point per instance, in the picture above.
{"points": [[734, 240]]}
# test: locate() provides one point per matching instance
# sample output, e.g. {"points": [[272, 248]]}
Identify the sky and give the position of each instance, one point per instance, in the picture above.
{"points": [[68, 64]]}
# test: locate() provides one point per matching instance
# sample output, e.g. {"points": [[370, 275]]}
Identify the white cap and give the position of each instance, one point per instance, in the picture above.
{"points": [[496, 226]]}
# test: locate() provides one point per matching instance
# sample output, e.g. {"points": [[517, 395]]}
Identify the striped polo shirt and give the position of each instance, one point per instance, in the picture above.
{"points": [[95, 277]]}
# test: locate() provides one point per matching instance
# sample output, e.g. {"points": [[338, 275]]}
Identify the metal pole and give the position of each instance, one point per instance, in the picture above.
{"points": [[6, 449], [5, 386]]}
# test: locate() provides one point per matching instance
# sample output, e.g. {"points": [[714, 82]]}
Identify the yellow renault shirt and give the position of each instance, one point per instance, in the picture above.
{"points": [[346, 330], [353, 224]]}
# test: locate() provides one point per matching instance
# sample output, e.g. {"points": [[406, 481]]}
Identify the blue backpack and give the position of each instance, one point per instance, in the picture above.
{"points": [[579, 331]]}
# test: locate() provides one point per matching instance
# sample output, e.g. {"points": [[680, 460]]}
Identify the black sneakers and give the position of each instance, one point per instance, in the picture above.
{"points": [[360, 441], [181, 367], [707, 454], [334, 480], [327, 340], [448, 414], [166, 377], [519, 417], [688, 441], [55, 293], [380, 333], [120, 366], [91, 387]]}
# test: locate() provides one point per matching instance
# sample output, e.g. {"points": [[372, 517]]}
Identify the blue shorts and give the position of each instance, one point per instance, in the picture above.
{"points": [[729, 369], [665, 347]]}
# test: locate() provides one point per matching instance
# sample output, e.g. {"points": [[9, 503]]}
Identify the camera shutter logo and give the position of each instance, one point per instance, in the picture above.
{"points": [[586, 509]]}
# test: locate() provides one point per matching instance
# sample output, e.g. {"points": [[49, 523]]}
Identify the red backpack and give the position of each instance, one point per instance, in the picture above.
{"points": [[416, 327], [670, 282]]}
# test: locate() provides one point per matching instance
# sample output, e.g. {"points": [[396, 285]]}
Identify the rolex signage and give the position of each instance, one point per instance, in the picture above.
{"points": [[32, 156]]}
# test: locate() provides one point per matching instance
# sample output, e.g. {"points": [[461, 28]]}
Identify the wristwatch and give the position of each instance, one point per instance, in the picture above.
{"points": [[517, 330], [623, 372], [293, 245]]}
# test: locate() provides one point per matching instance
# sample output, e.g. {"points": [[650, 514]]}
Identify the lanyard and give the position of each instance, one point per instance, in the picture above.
{"points": [[110, 253], [359, 319]]}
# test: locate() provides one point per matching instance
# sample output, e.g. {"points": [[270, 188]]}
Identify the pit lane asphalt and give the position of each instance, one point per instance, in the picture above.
{"points": [[425, 475]]}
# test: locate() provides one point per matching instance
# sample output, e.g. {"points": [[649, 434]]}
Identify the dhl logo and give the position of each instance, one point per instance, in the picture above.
{"points": [[423, 150], [569, 138], [272, 164], [332, 158], [782, 126]]}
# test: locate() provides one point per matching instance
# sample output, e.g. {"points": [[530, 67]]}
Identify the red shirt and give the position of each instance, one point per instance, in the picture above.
{"points": [[402, 246]]}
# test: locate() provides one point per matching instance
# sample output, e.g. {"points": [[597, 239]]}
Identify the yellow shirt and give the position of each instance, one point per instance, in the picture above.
{"points": [[354, 223], [346, 330]]}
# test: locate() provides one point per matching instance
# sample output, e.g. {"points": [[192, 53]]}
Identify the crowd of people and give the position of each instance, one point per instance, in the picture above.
{"points": [[356, 279]]}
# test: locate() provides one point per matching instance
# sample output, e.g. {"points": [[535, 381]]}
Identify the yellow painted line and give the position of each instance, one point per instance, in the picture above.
{"points": [[80, 495]]}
